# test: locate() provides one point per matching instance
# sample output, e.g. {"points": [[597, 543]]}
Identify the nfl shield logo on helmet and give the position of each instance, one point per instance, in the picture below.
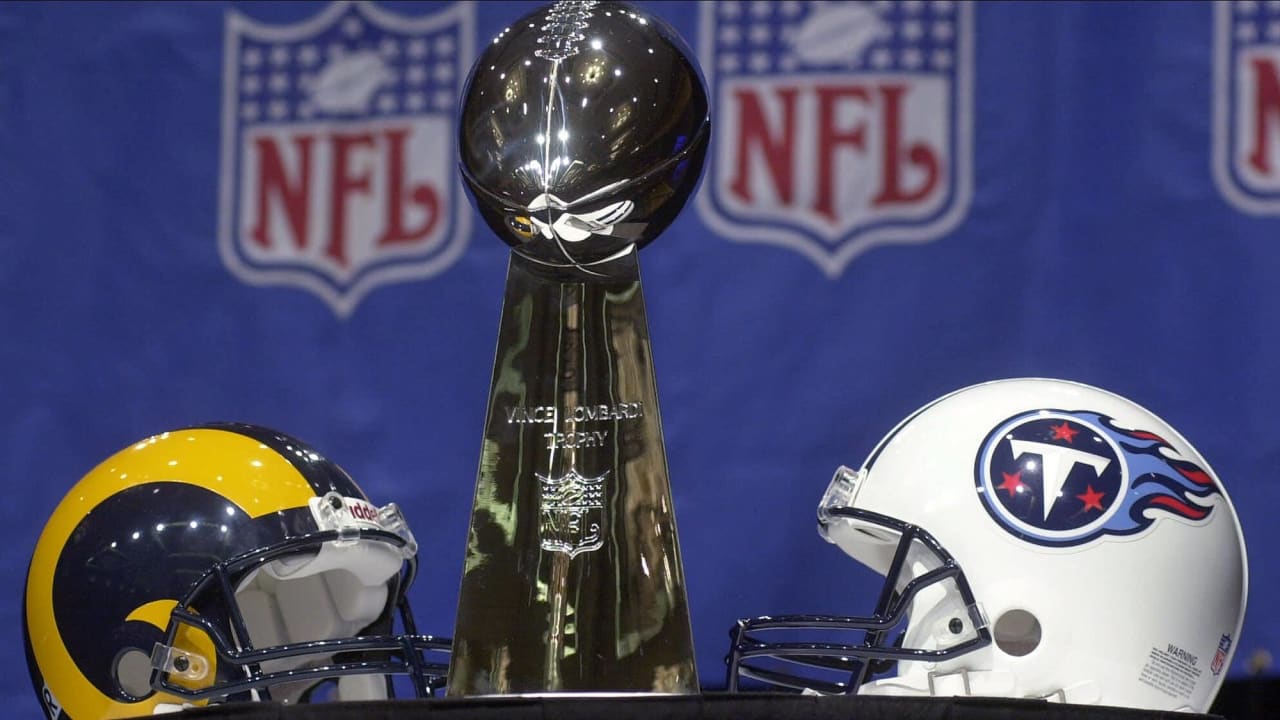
{"points": [[841, 126], [1246, 104], [1220, 656], [338, 149]]}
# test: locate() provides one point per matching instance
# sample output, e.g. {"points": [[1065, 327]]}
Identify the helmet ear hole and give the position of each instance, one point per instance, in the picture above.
{"points": [[132, 670], [1017, 633]]}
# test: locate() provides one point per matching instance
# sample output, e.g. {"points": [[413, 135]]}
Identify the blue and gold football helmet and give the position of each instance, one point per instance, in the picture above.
{"points": [[225, 562]]}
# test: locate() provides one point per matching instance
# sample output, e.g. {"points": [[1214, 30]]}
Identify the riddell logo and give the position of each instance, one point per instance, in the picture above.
{"points": [[363, 511]]}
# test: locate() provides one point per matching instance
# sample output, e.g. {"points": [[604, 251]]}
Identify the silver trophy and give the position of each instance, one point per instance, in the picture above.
{"points": [[583, 132]]}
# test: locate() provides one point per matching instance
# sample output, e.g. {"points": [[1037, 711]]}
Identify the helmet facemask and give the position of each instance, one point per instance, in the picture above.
{"points": [[925, 610], [318, 607]]}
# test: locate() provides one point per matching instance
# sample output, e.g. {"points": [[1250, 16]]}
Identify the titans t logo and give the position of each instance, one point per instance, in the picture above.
{"points": [[1064, 478]]}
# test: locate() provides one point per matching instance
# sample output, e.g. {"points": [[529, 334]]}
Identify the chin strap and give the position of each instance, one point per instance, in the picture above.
{"points": [[979, 683]]}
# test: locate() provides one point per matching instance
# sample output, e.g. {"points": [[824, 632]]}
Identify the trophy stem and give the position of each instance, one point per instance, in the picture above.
{"points": [[573, 580]]}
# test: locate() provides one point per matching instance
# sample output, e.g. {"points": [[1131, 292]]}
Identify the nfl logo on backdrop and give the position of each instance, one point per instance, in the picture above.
{"points": [[1246, 104], [842, 126], [338, 149]]}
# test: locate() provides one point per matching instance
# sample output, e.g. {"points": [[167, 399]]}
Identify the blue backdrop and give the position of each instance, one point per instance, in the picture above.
{"points": [[902, 198]]}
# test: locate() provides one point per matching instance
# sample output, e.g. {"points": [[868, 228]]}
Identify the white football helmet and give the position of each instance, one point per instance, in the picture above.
{"points": [[1040, 539]]}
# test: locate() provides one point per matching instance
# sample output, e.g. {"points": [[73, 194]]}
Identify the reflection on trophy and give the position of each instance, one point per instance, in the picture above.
{"points": [[583, 132]]}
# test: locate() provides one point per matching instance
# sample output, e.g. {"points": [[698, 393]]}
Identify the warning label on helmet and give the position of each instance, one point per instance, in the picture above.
{"points": [[1171, 670]]}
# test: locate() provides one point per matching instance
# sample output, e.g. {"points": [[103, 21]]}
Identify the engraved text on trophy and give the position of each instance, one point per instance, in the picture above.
{"points": [[559, 437]]}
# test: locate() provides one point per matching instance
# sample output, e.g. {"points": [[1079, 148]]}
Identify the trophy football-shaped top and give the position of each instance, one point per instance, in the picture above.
{"points": [[584, 127], [583, 131]]}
